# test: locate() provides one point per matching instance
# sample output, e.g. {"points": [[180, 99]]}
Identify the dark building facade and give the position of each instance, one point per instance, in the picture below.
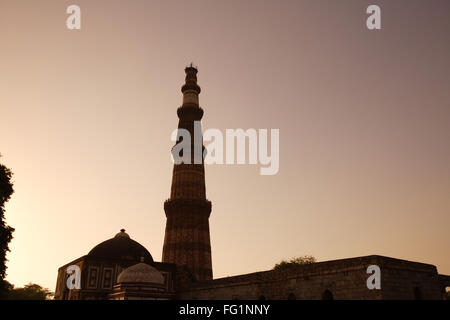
{"points": [[122, 269]]}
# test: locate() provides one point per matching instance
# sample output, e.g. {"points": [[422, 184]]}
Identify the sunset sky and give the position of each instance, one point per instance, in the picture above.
{"points": [[364, 119]]}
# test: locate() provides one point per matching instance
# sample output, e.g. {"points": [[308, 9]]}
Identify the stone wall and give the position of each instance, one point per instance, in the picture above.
{"points": [[344, 279]]}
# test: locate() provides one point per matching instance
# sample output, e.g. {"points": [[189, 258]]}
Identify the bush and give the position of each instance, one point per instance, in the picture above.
{"points": [[294, 262], [30, 291]]}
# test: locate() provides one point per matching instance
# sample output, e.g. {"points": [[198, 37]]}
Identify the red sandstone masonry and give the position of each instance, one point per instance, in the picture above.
{"points": [[187, 240]]}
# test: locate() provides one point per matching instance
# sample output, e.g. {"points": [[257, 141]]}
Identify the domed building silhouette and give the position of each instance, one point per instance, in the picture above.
{"points": [[119, 268], [122, 269]]}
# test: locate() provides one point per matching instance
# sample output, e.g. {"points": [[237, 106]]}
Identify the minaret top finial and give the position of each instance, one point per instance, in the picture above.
{"points": [[191, 66]]}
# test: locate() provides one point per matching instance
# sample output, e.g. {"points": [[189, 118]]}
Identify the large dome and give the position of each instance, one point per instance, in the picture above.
{"points": [[121, 247]]}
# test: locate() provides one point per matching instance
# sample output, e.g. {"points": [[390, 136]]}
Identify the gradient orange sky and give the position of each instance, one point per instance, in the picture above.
{"points": [[364, 119]]}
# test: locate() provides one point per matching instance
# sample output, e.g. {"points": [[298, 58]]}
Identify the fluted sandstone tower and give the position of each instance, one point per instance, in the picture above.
{"points": [[187, 240]]}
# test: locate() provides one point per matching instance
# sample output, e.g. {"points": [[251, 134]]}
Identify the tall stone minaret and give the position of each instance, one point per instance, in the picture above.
{"points": [[187, 240]]}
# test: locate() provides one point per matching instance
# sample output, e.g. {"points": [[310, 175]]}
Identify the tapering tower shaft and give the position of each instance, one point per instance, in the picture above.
{"points": [[187, 239]]}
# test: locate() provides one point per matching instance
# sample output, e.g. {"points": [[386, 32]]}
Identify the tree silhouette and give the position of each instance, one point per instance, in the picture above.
{"points": [[284, 264], [6, 190], [30, 291]]}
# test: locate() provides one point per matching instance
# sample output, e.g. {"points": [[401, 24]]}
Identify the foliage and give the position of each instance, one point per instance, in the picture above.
{"points": [[5, 288], [6, 190], [30, 291], [284, 264]]}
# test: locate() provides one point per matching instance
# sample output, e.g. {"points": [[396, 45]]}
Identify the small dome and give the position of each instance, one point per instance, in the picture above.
{"points": [[121, 247], [141, 273]]}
